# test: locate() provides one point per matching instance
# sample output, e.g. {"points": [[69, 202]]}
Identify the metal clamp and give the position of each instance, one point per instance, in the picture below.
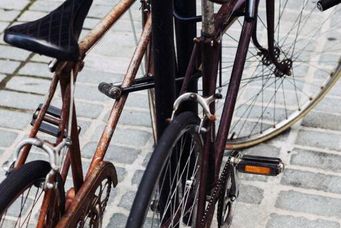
{"points": [[54, 154], [203, 102]]}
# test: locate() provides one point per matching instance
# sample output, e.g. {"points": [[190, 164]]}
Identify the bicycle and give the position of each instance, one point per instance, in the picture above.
{"points": [[33, 192], [190, 171], [83, 206]]}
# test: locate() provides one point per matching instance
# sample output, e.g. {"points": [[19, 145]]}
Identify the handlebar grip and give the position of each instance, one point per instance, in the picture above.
{"points": [[110, 90], [323, 5]]}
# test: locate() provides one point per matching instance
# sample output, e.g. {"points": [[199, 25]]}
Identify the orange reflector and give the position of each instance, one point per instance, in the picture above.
{"points": [[257, 170]]}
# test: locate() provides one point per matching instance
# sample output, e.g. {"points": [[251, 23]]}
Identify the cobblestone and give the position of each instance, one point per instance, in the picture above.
{"points": [[28, 84], [7, 138], [127, 200], [35, 69], [308, 203], [321, 160], [8, 67], [282, 221], [307, 195], [310, 180], [326, 140], [14, 120], [250, 194], [19, 100], [8, 52], [114, 153]]}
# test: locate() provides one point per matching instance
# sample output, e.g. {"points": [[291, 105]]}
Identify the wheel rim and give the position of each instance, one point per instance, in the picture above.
{"points": [[179, 203], [268, 104], [24, 211]]}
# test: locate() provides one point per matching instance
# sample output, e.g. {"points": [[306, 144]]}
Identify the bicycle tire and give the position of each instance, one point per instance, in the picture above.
{"points": [[182, 128], [269, 103], [19, 184]]}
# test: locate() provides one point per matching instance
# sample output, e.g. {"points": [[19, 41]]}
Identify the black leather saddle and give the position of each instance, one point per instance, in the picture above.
{"points": [[55, 35]]}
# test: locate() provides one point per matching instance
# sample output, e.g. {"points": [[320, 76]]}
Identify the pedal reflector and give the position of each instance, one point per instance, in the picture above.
{"points": [[257, 170], [260, 165]]}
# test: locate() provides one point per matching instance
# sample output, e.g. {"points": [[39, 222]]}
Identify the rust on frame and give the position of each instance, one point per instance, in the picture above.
{"points": [[100, 29], [119, 104]]}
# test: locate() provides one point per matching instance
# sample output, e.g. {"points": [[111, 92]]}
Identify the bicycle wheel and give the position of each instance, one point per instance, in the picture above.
{"points": [[269, 102], [21, 194], [167, 195]]}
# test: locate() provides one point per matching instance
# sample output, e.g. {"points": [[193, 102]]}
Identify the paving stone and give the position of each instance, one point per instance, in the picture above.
{"points": [[45, 6], [31, 16], [96, 76], [138, 100], [8, 52], [29, 84], [89, 93], [8, 67], [137, 177], [127, 200], [99, 11], [328, 140], [2, 76], [321, 160], [121, 173], [19, 100], [117, 220], [117, 65], [322, 120], [114, 153], [284, 221], [3, 25], [247, 216], [14, 120], [8, 15], [263, 150], [250, 194], [309, 180], [312, 204], [36, 69], [41, 59], [129, 137], [330, 104], [136, 118], [18, 5], [88, 110], [7, 138]]}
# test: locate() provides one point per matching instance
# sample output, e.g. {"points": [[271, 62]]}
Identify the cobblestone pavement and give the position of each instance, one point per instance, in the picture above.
{"points": [[308, 194]]}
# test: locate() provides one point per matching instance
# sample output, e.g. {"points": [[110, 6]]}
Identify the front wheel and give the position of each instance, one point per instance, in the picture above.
{"points": [[22, 193], [168, 193]]}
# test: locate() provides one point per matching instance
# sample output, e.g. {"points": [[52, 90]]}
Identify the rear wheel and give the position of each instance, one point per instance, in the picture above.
{"points": [[22, 193], [167, 195], [269, 102]]}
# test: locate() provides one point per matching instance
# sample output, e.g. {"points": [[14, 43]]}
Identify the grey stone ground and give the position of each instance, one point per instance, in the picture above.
{"points": [[308, 194]]}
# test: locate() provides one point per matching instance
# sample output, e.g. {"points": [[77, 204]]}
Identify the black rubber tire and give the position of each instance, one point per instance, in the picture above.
{"points": [[154, 168], [30, 174]]}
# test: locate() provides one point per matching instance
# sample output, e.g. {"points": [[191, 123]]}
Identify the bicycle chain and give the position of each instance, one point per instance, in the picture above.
{"points": [[215, 194]]}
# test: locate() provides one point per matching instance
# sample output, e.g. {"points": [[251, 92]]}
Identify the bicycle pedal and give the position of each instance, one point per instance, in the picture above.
{"points": [[51, 121], [268, 166]]}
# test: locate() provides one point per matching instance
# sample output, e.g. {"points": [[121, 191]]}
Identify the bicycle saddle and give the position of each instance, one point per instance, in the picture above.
{"points": [[55, 35]]}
